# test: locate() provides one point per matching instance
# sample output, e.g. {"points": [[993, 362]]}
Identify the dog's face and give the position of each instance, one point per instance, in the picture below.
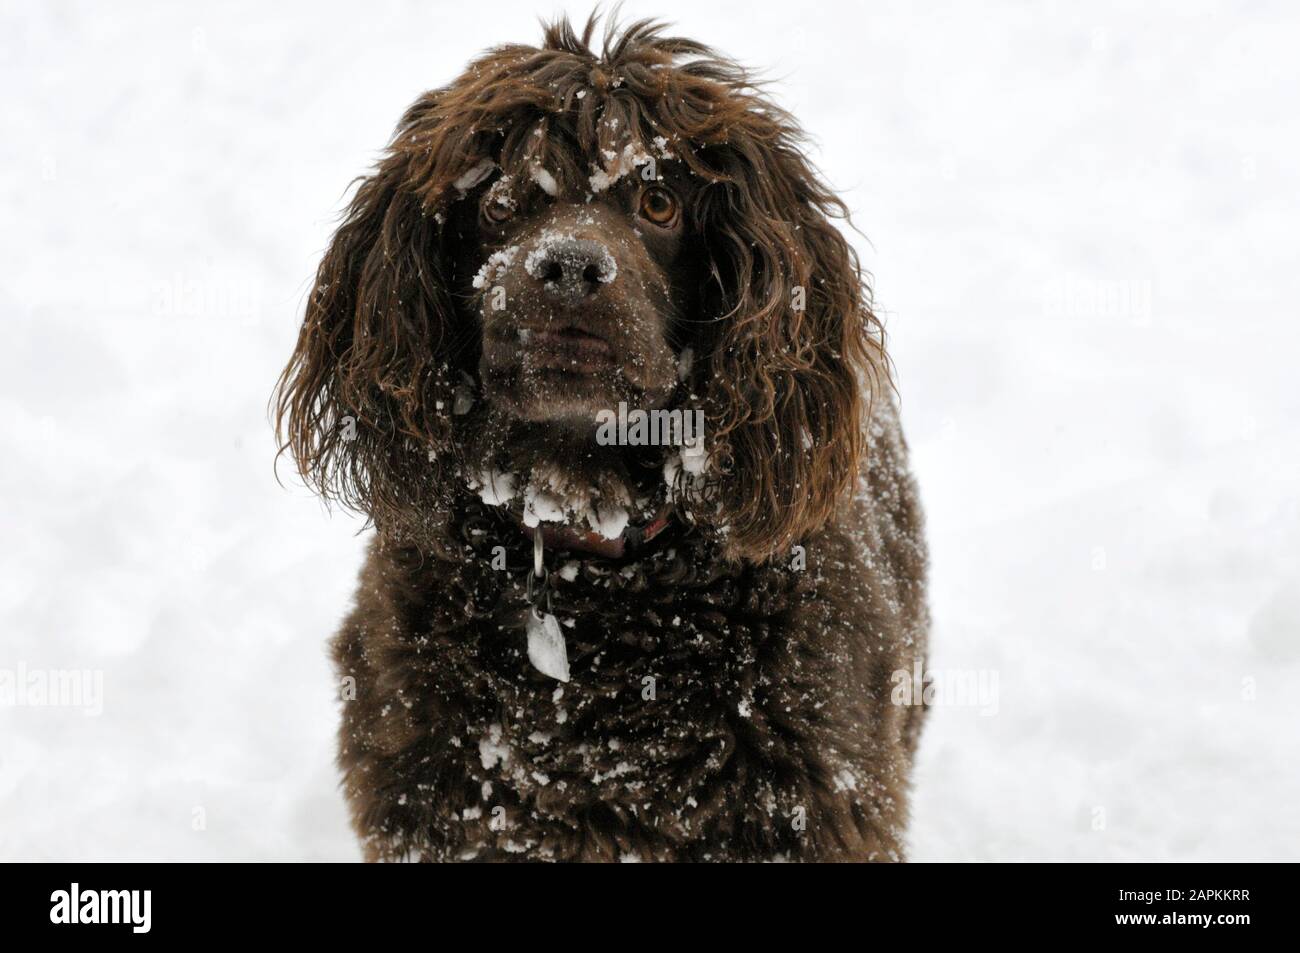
{"points": [[580, 295], [560, 231]]}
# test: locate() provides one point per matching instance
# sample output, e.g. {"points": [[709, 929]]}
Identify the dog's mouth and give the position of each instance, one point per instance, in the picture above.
{"points": [[564, 350]]}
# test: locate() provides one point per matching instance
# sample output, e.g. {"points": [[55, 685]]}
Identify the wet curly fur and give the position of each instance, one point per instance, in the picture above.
{"points": [[735, 687]]}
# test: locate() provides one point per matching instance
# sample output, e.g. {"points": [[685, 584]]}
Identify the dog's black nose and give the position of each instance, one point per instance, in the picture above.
{"points": [[571, 268]]}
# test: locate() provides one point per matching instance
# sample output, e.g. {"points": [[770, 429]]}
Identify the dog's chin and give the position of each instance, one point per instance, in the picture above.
{"points": [[566, 395], [567, 399]]}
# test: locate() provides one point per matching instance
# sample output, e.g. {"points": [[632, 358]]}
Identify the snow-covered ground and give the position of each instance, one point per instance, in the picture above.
{"points": [[1082, 219]]}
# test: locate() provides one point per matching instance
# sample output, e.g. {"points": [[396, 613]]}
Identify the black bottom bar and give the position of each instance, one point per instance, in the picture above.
{"points": [[1221, 903]]}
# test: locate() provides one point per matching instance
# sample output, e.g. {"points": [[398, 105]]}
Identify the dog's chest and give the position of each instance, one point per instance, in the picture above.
{"points": [[666, 681]]}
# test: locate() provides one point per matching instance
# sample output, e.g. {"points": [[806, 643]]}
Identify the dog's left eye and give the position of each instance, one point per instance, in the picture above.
{"points": [[659, 206]]}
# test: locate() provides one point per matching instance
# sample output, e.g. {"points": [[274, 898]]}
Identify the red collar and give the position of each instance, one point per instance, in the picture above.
{"points": [[561, 537]]}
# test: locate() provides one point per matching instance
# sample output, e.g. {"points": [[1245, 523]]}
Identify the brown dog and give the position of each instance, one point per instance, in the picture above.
{"points": [[580, 635]]}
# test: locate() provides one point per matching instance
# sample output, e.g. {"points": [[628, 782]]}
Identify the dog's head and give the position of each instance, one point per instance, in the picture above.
{"points": [[559, 232]]}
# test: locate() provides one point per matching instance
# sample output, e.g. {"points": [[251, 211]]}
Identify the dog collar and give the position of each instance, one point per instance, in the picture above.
{"points": [[547, 648], [571, 540]]}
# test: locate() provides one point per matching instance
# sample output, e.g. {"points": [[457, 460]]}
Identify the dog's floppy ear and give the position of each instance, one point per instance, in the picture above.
{"points": [[793, 352], [364, 406]]}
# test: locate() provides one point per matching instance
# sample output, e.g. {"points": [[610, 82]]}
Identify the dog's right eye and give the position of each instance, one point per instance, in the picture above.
{"points": [[495, 212]]}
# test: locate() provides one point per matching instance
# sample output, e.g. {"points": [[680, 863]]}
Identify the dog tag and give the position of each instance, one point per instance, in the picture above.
{"points": [[546, 649]]}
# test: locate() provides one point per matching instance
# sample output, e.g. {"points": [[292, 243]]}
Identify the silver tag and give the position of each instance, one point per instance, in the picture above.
{"points": [[546, 649]]}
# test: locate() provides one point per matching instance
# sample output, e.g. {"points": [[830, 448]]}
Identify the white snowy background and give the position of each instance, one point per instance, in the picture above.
{"points": [[1082, 221]]}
